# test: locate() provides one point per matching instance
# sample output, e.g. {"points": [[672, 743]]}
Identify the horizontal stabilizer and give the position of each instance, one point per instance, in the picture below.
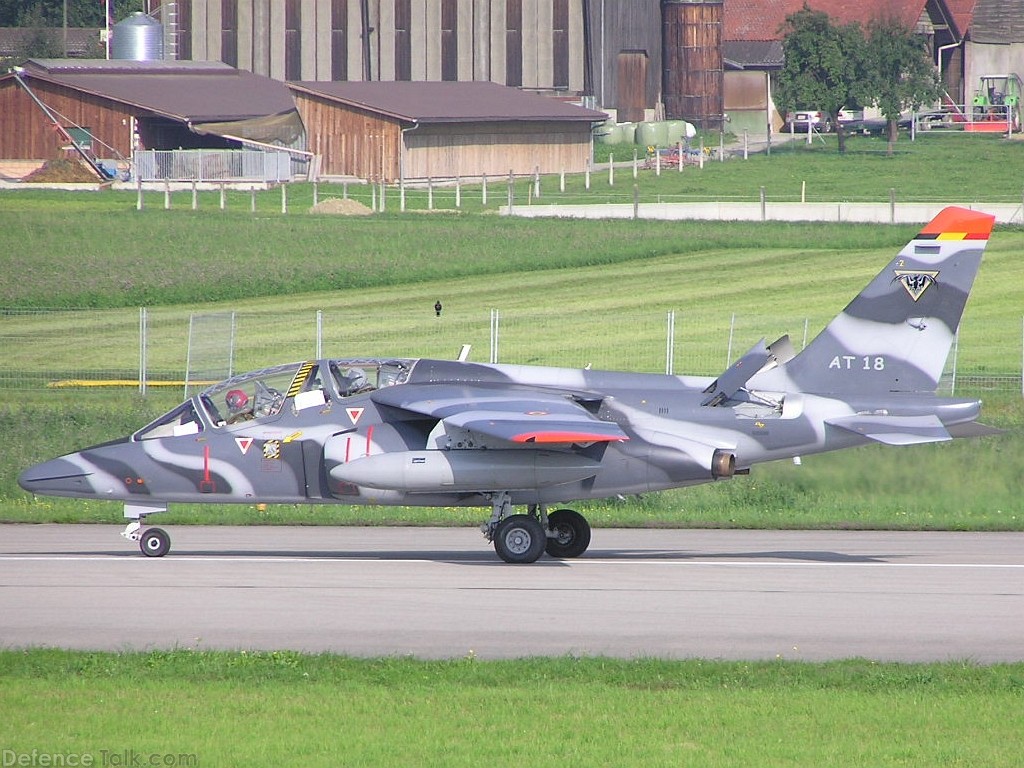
{"points": [[894, 430], [737, 375], [974, 429]]}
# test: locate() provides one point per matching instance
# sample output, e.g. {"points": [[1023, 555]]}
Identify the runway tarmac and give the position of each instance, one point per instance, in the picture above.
{"points": [[442, 592]]}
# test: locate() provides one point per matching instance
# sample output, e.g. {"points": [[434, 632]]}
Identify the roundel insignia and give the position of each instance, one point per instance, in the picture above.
{"points": [[916, 282]]}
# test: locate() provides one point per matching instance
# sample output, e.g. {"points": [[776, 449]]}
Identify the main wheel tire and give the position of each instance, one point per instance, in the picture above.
{"points": [[155, 542], [519, 539], [572, 533]]}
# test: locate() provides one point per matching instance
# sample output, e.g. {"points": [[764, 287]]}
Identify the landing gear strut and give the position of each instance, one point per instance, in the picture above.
{"points": [[521, 539], [153, 542]]}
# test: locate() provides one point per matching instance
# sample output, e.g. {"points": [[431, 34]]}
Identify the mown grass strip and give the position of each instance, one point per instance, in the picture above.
{"points": [[284, 708]]}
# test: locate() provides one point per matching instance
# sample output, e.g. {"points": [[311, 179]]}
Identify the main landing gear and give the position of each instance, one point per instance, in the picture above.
{"points": [[524, 538]]}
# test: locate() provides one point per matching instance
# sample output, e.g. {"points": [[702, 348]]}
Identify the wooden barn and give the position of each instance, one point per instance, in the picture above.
{"points": [[117, 107], [414, 130]]}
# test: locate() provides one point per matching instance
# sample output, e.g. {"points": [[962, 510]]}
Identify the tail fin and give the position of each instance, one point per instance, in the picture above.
{"points": [[896, 334]]}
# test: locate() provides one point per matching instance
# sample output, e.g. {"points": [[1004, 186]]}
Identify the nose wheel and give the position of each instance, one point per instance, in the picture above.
{"points": [[153, 542]]}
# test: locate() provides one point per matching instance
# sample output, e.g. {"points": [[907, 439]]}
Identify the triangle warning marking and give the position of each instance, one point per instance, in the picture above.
{"points": [[354, 413], [243, 443]]}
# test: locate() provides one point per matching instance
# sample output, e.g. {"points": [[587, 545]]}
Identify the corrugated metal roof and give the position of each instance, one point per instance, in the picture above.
{"points": [[998, 21], [448, 102], [761, 54], [196, 92]]}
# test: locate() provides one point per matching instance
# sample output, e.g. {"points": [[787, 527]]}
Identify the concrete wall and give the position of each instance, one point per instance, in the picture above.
{"points": [[985, 59]]}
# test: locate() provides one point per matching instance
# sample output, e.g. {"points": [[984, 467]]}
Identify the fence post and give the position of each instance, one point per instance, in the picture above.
{"points": [[586, 175], [319, 333], [458, 191], [138, 193], [195, 197], [670, 342], [679, 157], [511, 193], [284, 198], [611, 169], [634, 163], [167, 194], [536, 181], [222, 201], [430, 193], [252, 199], [483, 190], [561, 180], [745, 139], [142, 350], [495, 334], [636, 201], [732, 330], [764, 213], [316, 193], [892, 205]]}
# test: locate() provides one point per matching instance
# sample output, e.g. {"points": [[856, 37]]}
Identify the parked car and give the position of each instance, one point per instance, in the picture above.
{"points": [[797, 121], [820, 121]]}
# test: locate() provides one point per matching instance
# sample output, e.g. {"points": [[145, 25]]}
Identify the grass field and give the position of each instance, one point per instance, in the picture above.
{"points": [[570, 293], [199, 708]]}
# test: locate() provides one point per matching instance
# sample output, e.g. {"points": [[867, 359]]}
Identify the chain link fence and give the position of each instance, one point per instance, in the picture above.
{"points": [[161, 347]]}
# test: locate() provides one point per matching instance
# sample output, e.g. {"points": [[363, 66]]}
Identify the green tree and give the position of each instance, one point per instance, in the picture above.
{"points": [[40, 41], [81, 13], [900, 73], [822, 66]]}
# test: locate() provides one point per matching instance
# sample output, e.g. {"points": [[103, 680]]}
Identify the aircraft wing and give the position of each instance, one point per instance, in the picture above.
{"points": [[894, 430], [511, 415]]}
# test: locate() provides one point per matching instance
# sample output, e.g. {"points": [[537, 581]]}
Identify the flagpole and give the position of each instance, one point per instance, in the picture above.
{"points": [[106, 23]]}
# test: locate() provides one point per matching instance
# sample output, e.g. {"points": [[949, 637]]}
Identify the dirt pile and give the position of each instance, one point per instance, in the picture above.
{"points": [[343, 207], [62, 170]]}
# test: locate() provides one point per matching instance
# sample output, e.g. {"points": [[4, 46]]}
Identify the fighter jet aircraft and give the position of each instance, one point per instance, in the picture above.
{"points": [[426, 432]]}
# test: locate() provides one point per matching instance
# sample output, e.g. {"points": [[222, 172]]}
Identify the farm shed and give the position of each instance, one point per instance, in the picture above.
{"points": [[119, 107], [752, 45], [415, 130]]}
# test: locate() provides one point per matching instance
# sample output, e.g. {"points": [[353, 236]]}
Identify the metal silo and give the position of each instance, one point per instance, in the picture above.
{"points": [[693, 80], [138, 37]]}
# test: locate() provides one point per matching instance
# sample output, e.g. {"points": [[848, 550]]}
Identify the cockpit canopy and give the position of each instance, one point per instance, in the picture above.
{"points": [[263, 394]]}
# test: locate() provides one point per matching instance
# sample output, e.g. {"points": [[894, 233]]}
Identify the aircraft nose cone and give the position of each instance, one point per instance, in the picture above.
{"points": [[57, 476]]}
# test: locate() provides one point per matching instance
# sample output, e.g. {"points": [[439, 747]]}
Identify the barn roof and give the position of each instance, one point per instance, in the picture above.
{"points": [[80, 40], [765, 19], [998, 22], [448, 102], [187, 91]]}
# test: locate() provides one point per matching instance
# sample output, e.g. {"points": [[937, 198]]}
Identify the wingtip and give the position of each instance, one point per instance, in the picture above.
{"points": [[955, 223]]}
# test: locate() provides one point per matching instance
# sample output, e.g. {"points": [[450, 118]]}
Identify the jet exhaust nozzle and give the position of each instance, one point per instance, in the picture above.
{"points": [[723, 464]]}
